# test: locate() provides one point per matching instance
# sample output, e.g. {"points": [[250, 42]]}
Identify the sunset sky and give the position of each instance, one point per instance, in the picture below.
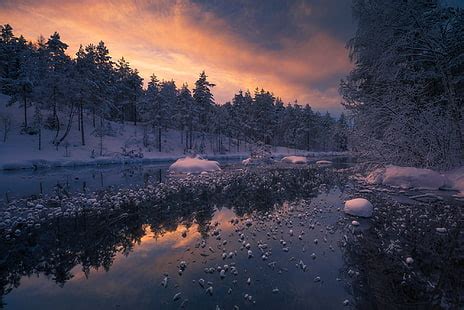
{"points": [[294, 48]]}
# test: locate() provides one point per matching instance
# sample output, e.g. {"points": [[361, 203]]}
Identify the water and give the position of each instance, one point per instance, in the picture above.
{"points": [[83, 263], [29, 183], [25, 183]]}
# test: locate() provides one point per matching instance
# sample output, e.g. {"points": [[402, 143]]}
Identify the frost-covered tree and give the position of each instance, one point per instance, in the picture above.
{"points": [[405, 93], [204, 100]]}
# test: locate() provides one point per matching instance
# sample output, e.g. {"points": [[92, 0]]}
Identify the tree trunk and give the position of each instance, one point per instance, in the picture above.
{"points": [[135, 113], [55, 117], [101, 136], [68, 127], [25, 112], [159, 138], [40, 139], [82, 123]]}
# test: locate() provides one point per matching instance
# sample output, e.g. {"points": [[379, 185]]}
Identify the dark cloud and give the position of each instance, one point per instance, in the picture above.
{"points": [[269, 22]]}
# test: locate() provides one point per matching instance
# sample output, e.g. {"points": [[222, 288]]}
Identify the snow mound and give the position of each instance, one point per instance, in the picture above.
{"points": [[247, 161], [295, 160], [456, 180], [194, 165], [408, 177], [323, 163], [359, 207]]}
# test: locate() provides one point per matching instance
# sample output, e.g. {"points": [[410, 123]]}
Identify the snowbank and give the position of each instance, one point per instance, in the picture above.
{"points": [[295, 160], [456, 180], [408, 177], [194, 165], [359, 207]]}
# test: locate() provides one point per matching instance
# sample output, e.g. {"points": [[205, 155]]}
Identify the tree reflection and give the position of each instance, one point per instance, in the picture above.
{"points": [[93, 242]]}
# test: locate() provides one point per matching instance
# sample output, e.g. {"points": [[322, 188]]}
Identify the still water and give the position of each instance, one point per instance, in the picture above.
{"points": [[273, 254]]}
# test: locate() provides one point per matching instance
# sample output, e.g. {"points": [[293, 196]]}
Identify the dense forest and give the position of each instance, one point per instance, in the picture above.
{"points": [[406, 92], [59, 92]]}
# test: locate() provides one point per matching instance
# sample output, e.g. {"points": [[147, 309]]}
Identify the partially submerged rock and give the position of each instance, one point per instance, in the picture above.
{"points": [[359, 207], [194, 165], [295, 160]]}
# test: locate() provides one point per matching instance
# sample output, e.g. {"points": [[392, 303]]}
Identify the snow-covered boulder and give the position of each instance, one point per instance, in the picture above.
{"points": [[408, 177], [295, 160], [323, 163], [359, 207], [456, 180], [194, 165]]}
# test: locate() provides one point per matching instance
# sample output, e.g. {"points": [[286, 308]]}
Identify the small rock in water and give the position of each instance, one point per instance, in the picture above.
{"points": [[346, 302], [317, 279], [250, 254], [409, 260], [201, 282], [164, 283], [275, 291], [441, 230], [209, 290], [355, 223], [176, 297], [249, 281]]}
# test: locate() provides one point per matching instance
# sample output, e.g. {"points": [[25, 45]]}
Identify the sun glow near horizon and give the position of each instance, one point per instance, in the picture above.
{"points": [[179, 39]]}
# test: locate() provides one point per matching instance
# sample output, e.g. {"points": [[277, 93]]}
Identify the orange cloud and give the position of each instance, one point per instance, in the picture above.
{"points": [[177, 39]]}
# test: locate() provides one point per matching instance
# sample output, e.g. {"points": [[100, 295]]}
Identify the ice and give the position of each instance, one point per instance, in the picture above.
{"points": [[359, 207]]}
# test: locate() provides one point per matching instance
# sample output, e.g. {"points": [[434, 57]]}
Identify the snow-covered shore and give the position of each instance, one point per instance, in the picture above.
{"points": [[410, 177], [20, 151]]}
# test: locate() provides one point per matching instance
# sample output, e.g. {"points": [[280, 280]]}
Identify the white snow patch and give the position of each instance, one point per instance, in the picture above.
{"points": [[408, 177], [358, 207], [294, 160], [323, 162], [194, 165], [456, 180]]}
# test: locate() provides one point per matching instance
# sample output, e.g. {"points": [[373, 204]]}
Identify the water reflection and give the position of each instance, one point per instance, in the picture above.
{"points": [[120, 261], [67, 181]]}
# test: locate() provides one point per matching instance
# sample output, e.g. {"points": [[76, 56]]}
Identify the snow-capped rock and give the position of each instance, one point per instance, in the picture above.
{"points": [[194, 165], [295, 160], [359, 207]]}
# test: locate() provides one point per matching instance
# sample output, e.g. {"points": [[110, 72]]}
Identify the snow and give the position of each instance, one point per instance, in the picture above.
{"points": [[456, 180], [194, 165], [323, 162], [295, 160], [359, 207], [20, 151], [408, 177]]}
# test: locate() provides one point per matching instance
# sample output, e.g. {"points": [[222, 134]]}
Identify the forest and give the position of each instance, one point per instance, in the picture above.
{"points": [[58, 92]]}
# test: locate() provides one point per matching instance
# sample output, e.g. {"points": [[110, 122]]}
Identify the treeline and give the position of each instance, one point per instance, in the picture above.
{"points": [[59, 92], [406, 92]]}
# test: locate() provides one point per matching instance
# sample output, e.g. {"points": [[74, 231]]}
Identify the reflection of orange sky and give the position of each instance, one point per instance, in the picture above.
{"points": [[181, 41]]}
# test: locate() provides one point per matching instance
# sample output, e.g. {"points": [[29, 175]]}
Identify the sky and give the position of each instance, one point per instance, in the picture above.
{"points": [[293, 48]]}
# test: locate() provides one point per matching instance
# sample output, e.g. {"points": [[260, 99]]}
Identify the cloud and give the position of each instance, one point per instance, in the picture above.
{"points": [[178, 39]]}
